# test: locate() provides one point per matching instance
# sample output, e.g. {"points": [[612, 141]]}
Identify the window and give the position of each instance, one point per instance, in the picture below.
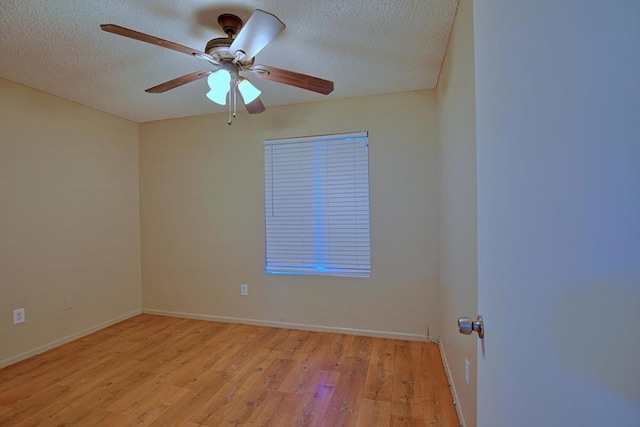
{"points": [[317, 205]]}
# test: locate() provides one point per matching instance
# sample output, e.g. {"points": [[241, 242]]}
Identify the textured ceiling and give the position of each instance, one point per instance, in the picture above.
{"points": [[365, 46]]}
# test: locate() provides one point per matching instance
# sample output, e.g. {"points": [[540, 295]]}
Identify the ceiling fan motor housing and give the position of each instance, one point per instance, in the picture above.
{"points": [[218, 48]]}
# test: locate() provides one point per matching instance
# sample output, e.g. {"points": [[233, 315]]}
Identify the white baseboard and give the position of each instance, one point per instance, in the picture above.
{"points": [[68, 338], [289, 325], [456, 401]]}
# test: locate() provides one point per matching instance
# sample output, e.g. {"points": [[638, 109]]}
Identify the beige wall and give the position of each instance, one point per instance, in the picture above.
{"points": [[457, 137], [202, 216], [69, 219]]}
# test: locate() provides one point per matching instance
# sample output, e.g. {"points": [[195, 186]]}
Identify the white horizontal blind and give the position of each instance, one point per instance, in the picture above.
{"points": [[317, 205]]}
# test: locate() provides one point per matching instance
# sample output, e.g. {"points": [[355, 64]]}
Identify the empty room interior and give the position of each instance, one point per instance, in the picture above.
{"points": [[134, 234]]}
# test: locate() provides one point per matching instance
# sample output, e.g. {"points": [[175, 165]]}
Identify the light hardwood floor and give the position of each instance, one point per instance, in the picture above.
{"points": [[163, 371]]}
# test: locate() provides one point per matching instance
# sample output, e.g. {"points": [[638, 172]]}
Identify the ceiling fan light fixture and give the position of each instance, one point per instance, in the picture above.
{"points": [[217, 97], [248, 91], [220, 84]]}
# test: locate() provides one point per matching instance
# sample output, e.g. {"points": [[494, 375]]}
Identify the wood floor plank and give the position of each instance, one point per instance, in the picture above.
{"points": [[343, 408], [378, 385], [311, 347], [288, 341], [374, 413], [360, 347], [253, 393], [437, 401], [101, 417], [203, 388], [89, 393], [29, 368], [279, 409], [166, 371], [335, 350], [316, 399], [153, 405], [214, 411], [34, 403], [406, 399], [306, 362], [22, 386]]}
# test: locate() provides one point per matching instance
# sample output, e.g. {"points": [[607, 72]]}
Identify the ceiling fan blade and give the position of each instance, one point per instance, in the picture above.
{"points": [[303, 81], [179, 81], [136, 35], [259, 30], [254, 107]]}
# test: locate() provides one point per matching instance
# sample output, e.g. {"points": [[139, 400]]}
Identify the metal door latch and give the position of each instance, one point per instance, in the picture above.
{"points": [[467, 326]]}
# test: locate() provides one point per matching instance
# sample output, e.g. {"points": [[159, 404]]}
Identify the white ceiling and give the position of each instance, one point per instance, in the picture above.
{"points": [[365, 46]]}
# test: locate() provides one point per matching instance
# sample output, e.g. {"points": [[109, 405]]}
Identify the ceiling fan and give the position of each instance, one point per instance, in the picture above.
{"points": [[231, 56]]}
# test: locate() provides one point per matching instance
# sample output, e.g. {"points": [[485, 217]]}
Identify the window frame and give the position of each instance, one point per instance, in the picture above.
{"points": [[341, 204]]}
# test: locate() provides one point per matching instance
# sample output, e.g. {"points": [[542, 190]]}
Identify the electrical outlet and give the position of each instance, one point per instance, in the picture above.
{"points": [[244, 289], [18, 316], [467, 372], [68, 303]]}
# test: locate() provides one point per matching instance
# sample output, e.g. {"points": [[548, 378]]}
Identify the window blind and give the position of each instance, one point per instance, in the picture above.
{"points": [[317, 205]]}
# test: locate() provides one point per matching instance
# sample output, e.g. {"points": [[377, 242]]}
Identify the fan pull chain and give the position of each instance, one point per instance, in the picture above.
{"points": [[232, 98], [230, 122], [235, 96]]}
